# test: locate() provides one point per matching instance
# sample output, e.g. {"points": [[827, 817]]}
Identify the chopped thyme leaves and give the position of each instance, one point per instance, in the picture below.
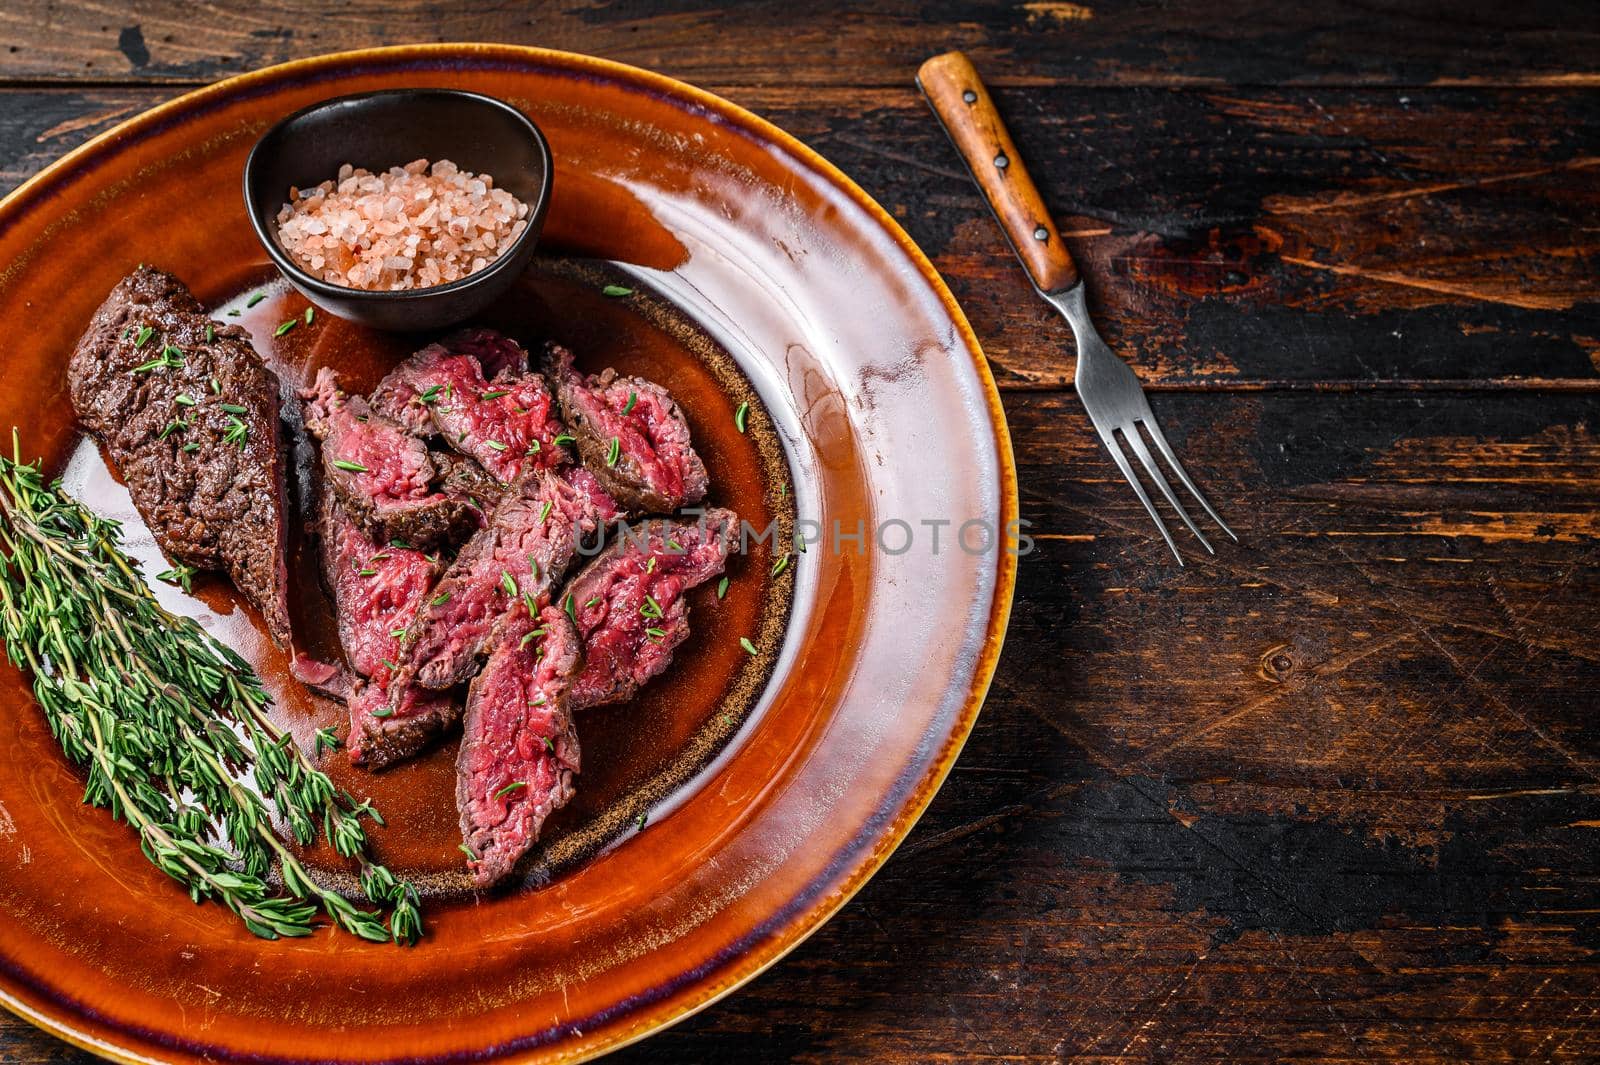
{"points": [[180, 575], [617, 290], [749, 648], [257, 298], [285, 327], [722, 587], [353, 467], [325, 740]]}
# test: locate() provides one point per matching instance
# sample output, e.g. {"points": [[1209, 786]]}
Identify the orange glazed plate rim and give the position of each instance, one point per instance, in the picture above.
{"points": [[866, 854]]}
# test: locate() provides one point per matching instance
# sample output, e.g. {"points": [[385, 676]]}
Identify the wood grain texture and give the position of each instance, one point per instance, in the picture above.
{"points": [[1332, 796], [963, 107]]}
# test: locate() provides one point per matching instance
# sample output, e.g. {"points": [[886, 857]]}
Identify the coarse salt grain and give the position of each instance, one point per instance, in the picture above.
{"points": [[413, 226]]}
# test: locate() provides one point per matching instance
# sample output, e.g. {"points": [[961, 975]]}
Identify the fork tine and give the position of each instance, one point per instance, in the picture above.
{"points": [[1177, 467], [1110, 440], [1131, 431]]}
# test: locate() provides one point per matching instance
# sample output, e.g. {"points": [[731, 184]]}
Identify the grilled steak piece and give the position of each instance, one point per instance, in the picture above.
{"points": [[519, 751], [377, 591], [628, 603], [470, 390], [382, 735], [382, 474], [631, 434], [523, 551], [189, 413], [462, 478], [484, 352]]}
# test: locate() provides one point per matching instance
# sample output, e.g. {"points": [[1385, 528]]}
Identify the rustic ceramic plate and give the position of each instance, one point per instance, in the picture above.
{"points": [[771, 793]]}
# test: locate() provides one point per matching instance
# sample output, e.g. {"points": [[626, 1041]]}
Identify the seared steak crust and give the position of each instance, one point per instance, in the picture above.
{"points": [[519, 751], [631, 433], [629, 601], [189, 413]]}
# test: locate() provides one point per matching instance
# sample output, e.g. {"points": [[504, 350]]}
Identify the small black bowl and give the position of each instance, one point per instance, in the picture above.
{"points": [[375, 131]]}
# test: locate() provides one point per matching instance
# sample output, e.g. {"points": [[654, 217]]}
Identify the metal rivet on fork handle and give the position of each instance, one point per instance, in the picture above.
{"points": [[1108, 388]]}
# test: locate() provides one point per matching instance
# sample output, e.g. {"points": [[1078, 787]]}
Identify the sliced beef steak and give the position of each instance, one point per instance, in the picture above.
{"points": [[462, 478], [189, 413], [484, 352], [382, 734], [497, 411], [381, 474], [629, 602], [521, 554], [631, 434], [377, 590], [519, 751]]}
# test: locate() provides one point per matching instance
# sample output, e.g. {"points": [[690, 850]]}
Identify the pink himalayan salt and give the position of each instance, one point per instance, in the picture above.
{"points": [[411, 227]]}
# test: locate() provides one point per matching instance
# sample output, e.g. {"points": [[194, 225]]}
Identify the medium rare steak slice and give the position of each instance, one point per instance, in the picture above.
{"points": [[629, 602], [631, 434], [382, 735], [377, 590], [382, 474], [521, 554], [189, 413], [519, 751], [399, 396], [481, 400]]}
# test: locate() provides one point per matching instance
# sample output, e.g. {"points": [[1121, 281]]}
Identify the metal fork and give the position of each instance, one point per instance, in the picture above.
{"points": [[1108, 388]]}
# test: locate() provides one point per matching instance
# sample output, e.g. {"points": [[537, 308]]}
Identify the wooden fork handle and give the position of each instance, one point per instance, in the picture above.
{"points": [[962, 104]]}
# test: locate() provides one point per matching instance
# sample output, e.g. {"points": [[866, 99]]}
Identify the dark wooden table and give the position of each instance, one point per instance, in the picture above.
{"points": [[1333, 795]]}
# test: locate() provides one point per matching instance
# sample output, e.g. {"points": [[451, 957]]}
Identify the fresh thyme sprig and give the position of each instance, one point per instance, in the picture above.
{"points": [[171, 724]]}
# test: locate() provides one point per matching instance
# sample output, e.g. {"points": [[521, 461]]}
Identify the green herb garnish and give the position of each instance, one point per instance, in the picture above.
{"points": [[173, 729], [325, 740], [345, 464], [633, 397], [722, 587], [509, 788], [257, 298], [749, 648], [285, 327], [741, 416], [614, 452], [617, 290], [181, 575]]}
